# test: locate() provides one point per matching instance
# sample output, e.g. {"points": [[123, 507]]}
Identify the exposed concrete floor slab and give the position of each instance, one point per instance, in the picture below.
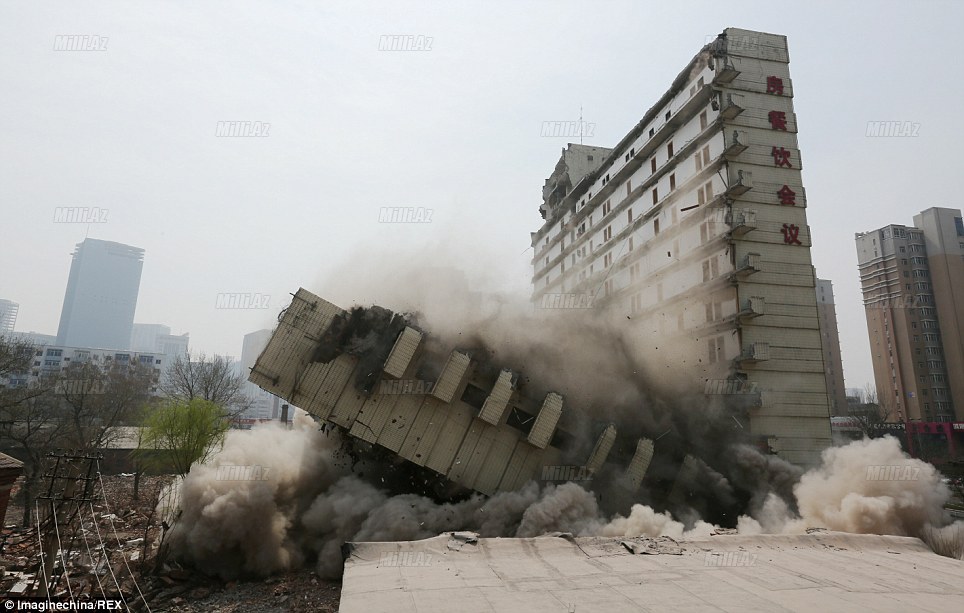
{"points": [[825, 571]]}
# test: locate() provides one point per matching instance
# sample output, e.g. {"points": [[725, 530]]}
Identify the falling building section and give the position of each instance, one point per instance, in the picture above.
{"points": [[354, 369]]}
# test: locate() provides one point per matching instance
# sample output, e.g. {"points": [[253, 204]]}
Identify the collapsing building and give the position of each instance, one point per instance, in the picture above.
{"points": [[375, 375], [692, 232]]}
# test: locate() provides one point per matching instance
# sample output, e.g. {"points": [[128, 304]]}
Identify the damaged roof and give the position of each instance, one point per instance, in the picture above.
{"points": [[829, 571]]}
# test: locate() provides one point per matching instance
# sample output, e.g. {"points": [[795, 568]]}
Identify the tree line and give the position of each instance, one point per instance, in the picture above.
{"points": [[180, 415]]}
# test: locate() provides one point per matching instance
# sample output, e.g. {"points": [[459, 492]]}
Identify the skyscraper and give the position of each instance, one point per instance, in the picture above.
{"points": [[833, 365], [8, 316], [101, 295], [912, 279]]}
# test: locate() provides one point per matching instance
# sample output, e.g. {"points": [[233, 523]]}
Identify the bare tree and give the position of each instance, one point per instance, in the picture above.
{"points": [[15, 359], [206, 378], [97, 399], [871, 413], [35, 426]]}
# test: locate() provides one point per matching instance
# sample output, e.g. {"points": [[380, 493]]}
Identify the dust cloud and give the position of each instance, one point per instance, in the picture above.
{"points": [[311, 501], [307, 503]]}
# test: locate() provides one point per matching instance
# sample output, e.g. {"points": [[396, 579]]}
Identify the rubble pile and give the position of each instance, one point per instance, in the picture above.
{"points": [[132, 557]]}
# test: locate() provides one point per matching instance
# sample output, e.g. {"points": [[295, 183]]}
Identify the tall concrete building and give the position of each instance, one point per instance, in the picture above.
{"points": [[8, 316], [912, 279], [691, 232], [101, 295], [833, 364], [264, 405], [158, 337]]}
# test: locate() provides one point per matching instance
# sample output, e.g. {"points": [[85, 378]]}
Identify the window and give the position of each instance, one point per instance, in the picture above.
{"points": [[630, 243], [706, 271], [672, 182], [652, 132], [655, 196], [608, 233], [54, 353], [636, 304], [669, 149], [608, 286], [703, 121], [634, 273], [959, 224], [629, 188], [715, 346], [606, 208], [608, 260], [668, 115], [655, 227], [629, 215], [705, 193], [706, 155], [652, 165]]}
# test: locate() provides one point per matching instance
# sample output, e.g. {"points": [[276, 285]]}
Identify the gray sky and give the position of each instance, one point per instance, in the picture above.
{"points": [[456, 128]]}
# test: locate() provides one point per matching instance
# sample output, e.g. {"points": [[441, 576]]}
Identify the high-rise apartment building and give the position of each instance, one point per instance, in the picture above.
{"points": [[264, 405], [101, 295], [692, 234], [8, 316], [833, 364], [912, 279], [158, 337]]}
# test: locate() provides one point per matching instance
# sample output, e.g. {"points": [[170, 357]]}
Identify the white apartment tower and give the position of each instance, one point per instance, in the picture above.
{"points": [[692, 233]]}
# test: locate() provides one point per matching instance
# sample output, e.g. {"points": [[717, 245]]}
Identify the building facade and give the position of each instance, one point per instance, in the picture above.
{"points": [[158, 337], [694, 228], [101, 295], [8, 316], [833, 364], [54, 360], [912, 279], [264, 405]]}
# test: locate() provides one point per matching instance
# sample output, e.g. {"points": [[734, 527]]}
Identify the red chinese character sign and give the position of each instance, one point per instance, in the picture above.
{"points": [[778, 120], [781, 157], [775, 85], [787, 195], [791, 232]]}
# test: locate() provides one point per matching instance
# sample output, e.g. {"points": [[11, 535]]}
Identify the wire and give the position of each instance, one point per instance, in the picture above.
{"points": [[43, 567], [60, 549], [107, 557], [90, 554], [110, 518]]}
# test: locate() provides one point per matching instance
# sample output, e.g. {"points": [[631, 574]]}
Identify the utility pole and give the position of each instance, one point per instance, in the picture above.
{"points": [[68, 487]]}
